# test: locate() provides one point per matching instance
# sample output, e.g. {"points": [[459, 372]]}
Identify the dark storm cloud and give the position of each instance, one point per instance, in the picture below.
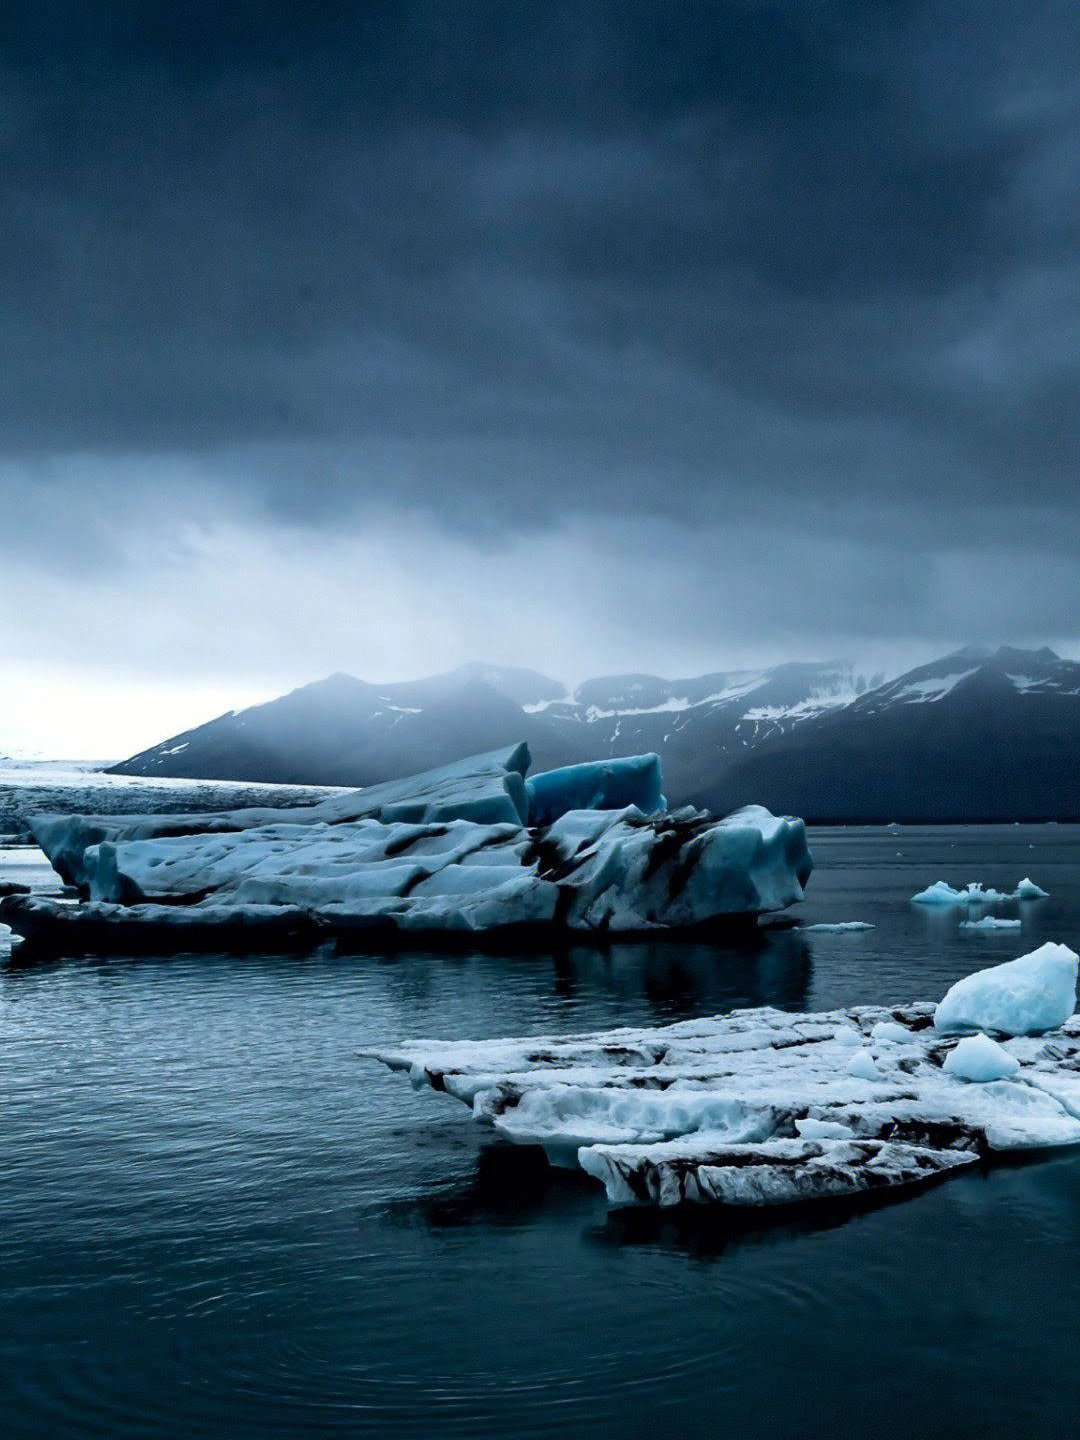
{"points": [[810, 264]]}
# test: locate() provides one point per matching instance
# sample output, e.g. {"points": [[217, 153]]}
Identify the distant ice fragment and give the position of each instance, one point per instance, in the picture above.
{"points": [[978, 1058], [990, 922], [839, 927], [941, 893], [1028, 890], [1027, 996]]}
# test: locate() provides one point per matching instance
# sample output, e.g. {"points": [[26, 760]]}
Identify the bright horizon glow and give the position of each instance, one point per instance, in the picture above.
{"points": [[50, 714]]}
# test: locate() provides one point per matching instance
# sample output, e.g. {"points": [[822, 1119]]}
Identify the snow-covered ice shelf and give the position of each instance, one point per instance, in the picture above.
{"points": [[762, 1107]]}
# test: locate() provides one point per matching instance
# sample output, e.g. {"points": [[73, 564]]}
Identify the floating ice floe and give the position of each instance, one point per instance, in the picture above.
{"points": [[423, 863], [941, 893], [839, 927], [761, 1107], [990, 922]]}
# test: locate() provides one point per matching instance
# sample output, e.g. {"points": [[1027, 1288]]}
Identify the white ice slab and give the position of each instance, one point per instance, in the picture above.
{"points": [[762, 1107]]}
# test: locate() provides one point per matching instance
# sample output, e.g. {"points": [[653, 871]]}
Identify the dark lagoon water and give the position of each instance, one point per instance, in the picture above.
{"points": [[215, 1220]]}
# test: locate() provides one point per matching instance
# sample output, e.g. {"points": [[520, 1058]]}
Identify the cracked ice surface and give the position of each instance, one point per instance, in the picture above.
{"points": [[762, 1107], [592, 871]]}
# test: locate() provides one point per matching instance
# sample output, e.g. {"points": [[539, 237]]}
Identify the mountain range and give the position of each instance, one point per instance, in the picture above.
{"points": [[977, 735], [344, 731]]}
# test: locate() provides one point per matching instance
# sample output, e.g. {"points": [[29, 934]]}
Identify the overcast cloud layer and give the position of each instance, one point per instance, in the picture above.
{"points": [[588, 335]]}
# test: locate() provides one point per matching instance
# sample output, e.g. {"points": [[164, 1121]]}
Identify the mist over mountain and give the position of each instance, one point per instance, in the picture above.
{"points": [[979, 734], [346, 731]]}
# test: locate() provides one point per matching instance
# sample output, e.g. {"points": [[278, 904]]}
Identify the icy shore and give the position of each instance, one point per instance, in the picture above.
{"points": [[762, 1107]]}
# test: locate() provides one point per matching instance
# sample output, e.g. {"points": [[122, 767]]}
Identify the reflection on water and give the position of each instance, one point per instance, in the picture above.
{"points": [[679, 980], [218, 1221]]}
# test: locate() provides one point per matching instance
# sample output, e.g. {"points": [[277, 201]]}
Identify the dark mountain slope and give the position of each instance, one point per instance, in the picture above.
{"points": [[976, 736]]}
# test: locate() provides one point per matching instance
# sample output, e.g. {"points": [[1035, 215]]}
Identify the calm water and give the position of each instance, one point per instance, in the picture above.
{"points": [[216, 1221]]}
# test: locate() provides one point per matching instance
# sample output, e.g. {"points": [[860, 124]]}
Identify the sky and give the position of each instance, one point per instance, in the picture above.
{"points": [[589, 336]]}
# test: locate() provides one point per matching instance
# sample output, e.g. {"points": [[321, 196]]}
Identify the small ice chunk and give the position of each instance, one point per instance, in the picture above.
{"points": [[863, 1066], [1026, 996], [848, 1035], [811, 1129], [1028, 890], [980, 1059], [891, 1031], [989, 922], [839, 927]]}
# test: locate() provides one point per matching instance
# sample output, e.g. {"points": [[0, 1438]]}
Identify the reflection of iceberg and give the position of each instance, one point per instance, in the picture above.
{"points": [[762, 1108], [444, 852]]}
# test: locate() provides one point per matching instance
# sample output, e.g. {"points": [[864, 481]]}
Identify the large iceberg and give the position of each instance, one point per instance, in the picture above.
{"points": [[762, 1107], [445, 853]]}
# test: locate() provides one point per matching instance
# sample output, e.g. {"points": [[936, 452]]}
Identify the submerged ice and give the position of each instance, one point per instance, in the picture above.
{"points": [[761, 1107]]}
